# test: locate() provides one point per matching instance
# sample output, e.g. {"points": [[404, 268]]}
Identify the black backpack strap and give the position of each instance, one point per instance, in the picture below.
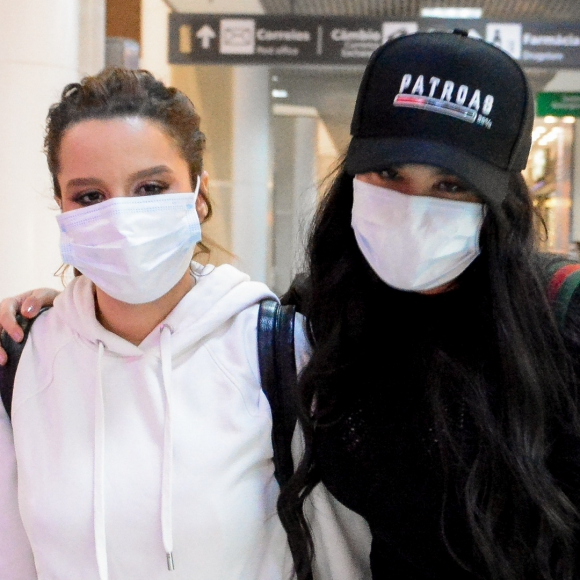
{"points": [[278, 372], [278, 375], [13, 350]]}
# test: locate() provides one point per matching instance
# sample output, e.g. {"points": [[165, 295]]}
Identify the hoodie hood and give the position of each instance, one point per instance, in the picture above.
{"points": [[219, 294]]}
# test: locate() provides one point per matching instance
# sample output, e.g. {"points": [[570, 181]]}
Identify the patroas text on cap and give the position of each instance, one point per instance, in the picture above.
{"points": [[444, 92]]}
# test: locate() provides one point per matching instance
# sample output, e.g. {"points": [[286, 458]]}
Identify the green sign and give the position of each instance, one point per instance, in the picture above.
{"points": [[558, 104]]}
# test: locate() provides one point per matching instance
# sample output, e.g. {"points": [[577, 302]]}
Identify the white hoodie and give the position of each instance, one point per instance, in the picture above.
{"points": [[126, 453]]}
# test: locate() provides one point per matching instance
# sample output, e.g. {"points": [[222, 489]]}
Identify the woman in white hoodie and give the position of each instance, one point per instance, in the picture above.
{"points": [[140, 439]]}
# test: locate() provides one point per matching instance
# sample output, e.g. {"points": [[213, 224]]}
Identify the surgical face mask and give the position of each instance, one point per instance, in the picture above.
{"points": [[135, 249], [415, 242]]}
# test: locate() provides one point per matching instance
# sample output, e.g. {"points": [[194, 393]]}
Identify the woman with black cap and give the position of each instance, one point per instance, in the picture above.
{"points": [[439, 401], [440, 398]]}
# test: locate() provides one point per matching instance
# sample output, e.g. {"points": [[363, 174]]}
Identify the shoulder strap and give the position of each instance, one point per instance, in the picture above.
{"points": [[563, 278], [278, 375], [13, 350]]}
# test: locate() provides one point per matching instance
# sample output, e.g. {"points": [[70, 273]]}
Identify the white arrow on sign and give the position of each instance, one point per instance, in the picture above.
{"points": [[206, 33]]}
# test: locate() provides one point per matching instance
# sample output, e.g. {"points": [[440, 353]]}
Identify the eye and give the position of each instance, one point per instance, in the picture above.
{"points": [[88, 198], [451, 186], [390, 174], [152, 188]]}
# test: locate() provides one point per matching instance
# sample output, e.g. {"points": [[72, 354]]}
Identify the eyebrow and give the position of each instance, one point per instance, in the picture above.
{"points": [[149, 172], [438, 170], [445, 172]]}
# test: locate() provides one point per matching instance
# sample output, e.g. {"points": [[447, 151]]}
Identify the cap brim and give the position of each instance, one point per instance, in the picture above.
{"points": [[366, 154]]}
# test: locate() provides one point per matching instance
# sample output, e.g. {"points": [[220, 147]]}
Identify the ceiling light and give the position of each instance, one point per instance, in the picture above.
{"points": [[451, 13], [568, 120], [550, 119], [279, 94]]}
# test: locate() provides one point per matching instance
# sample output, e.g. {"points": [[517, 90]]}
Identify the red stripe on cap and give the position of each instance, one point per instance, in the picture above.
{"points": [[410, 99], [559, 278]]}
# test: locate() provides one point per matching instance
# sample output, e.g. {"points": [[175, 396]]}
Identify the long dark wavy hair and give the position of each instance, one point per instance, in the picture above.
{"points": [[522, 518]]}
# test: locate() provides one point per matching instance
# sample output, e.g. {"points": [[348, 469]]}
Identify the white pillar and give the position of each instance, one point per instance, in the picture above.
{"points": [[92, 36], [295, 167], [40, 52], [251, 171], [155, 39]]}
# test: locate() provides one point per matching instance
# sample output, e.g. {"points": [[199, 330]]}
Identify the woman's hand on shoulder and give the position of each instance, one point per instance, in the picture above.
{"points": [[29, 305]]}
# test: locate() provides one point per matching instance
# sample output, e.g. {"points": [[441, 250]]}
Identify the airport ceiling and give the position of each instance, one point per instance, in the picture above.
{"points": [[332, 91], [336, 95]]}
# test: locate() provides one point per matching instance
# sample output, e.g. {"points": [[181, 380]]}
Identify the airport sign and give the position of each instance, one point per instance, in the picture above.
{"points": [[282, 39]]}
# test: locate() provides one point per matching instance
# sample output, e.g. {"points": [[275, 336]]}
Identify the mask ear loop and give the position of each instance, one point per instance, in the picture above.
{"points": [[197, 188], [192, 271]]}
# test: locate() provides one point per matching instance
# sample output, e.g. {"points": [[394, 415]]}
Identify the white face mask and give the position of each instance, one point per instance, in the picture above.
{"points": [[134, 249], [414, 242]]}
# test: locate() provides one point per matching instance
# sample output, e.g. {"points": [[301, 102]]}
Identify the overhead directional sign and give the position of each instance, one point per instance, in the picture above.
{"points": [[533, 44], [269, 39], [241, 39], [206, 34]]}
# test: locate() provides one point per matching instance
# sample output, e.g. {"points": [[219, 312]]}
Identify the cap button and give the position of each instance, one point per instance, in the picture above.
{"points": [[460, 31]]}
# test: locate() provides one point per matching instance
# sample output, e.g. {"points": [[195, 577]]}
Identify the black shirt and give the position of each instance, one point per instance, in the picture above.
{"points": [[382, 458]]}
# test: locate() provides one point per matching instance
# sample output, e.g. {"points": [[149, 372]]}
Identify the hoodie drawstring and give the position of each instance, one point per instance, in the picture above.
{"points": [[167, 477], [99, 472], [167, 468]]}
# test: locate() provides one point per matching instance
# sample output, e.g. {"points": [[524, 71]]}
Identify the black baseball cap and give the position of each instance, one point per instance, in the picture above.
{"points": [[448, 100]]}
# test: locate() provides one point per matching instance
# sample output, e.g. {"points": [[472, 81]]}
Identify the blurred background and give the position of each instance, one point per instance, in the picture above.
{"points": [[276, 120]]}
